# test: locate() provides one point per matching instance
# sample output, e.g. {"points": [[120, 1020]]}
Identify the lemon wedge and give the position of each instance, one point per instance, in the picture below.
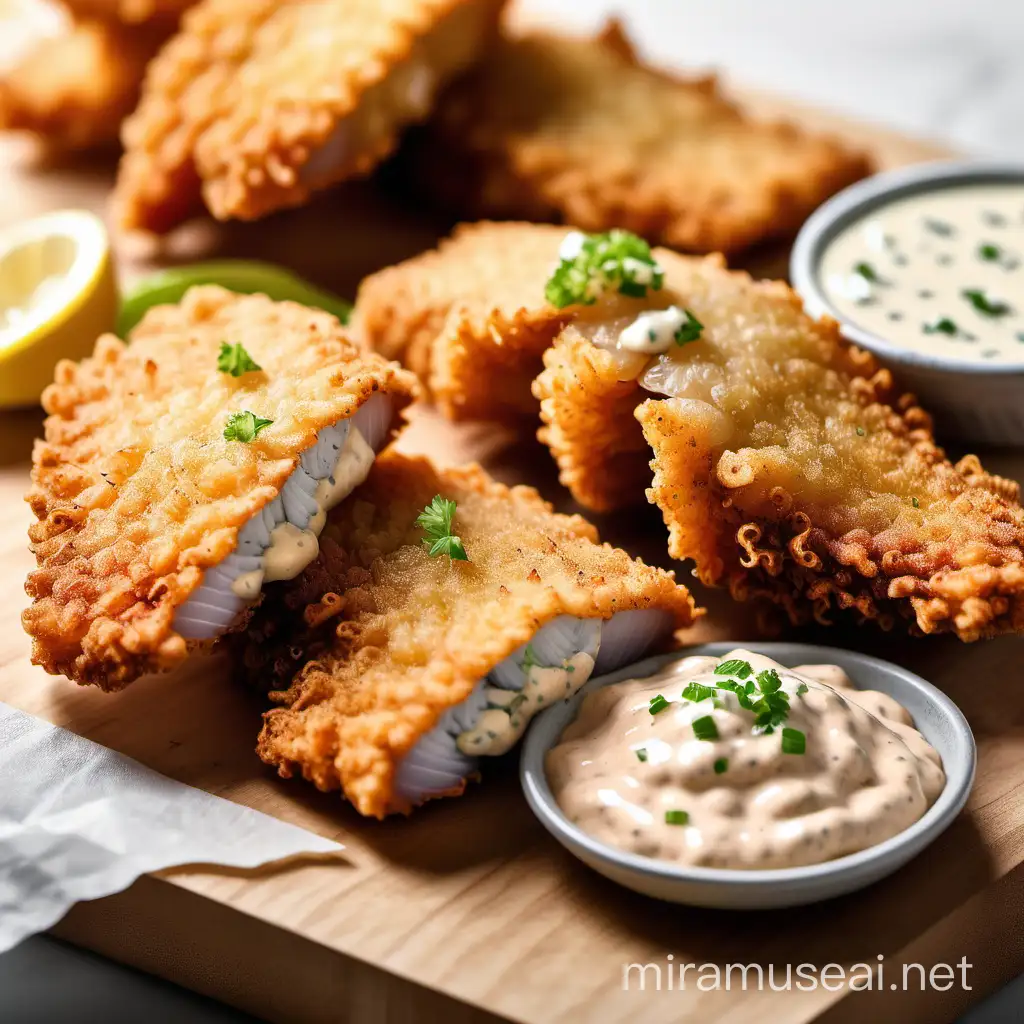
{"points": [[245, 276], [58, 294]]}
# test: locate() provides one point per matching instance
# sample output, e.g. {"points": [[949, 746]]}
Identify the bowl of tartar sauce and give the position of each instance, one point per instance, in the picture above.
{"points": [[744, 779], [924, 266]]}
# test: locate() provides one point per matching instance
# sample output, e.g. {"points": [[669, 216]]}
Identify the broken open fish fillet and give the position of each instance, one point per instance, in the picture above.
{"points": [[786, 463], [256, 104], [469, 318], [142, 502], [399, 670], [554, 128]]}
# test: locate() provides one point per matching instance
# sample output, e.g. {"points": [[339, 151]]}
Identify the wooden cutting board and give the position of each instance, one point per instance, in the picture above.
{"points": [[468, 911]]}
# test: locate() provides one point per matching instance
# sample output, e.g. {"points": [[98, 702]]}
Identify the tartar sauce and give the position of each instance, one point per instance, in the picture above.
{"points": [[695, 780], [940, 272]]}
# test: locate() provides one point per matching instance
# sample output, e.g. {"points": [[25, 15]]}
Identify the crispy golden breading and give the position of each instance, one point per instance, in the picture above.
{"points": [[131, 12], [787, 465], [137, 492], [405, 636], [469, 317], [256, 104], [74, 88], [578, 130]]}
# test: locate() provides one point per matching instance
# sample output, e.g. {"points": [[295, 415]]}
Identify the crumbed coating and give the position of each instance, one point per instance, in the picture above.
{"points": [[580, 131], [256, 104], [137, 492], [404, 636], [469, 317], [131, 12], [74, 88], [787, 465]]}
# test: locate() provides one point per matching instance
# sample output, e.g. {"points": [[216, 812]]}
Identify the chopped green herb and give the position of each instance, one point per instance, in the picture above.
{"points": [[802, 689], [235, 360], [704, 728], [436, 522], [658, 703], [244, 426], [688, 331], [641, 754], [676, 818], [736, 667], [915, 503], [698, 692], [721, 765], [991, 253], [617, 260], [938, 227], [530, 660], [983, 304], [943, 325], [866, 271], [861, 431], [769, 681], [515, 703], [793, 741]]}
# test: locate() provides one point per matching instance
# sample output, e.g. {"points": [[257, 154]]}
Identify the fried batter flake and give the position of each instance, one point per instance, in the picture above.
{"points": [[787, 464], [137, 492], [580, 131], [470, 317], [403, 636], [256, 104]]}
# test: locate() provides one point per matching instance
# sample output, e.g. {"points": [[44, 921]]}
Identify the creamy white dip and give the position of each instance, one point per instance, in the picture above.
{"points": [[638, 775], [940, 272]]}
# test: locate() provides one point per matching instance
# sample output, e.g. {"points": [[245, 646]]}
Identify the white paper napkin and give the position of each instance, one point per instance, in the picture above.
{"points": [[79, 821]]}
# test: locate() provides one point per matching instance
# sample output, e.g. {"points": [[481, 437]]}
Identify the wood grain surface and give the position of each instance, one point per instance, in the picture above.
{"points": [[468, 911]]}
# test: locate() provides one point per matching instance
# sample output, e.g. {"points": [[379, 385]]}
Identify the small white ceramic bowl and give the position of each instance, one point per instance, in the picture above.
{"points": [[934, 714], [970, 400]]}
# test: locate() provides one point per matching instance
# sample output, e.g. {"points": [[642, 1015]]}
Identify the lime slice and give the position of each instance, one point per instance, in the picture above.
{"points": [[58, 294], [245, 276]]}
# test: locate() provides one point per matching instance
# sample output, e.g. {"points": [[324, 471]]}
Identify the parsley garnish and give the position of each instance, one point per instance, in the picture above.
{"points": [[991, 253], [697, 692], [736, 667], [793, 741], [688, 331], [676, 817], [616, 260], [658, 703], [983, 304], [436, 520], [244, 426], [802, 689], [721, 765], [942, 326], [235, 360], [704, 728]]}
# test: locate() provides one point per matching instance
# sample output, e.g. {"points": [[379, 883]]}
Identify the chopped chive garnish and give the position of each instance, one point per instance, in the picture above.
{"points": [[617, 260], [641, 754], [793, 741], [861, 431], [983, 304], [866, 271], [688, 331], [915, 503], [704, 728], [736, 667], [721, 765], [676, 817], [244, 426], [658, 703], [235, 360], [942, 326], [990, 252], [436, 522], [697, 692]]}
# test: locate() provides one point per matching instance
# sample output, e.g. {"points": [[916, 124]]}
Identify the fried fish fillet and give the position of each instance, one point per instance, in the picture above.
{"points": [[74, 86], [411, 666], [786, 463], [469, 318], [580, 131], [256, 104], [149, 515]]}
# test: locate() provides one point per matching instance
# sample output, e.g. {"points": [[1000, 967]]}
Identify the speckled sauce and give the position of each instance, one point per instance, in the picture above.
{"points": [[939, 272], [646, 783]]}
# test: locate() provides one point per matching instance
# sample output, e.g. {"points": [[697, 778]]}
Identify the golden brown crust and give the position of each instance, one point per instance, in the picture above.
{"points": [[245, 105], [131, 12], [787, 465], [137, 492], [73, 89], [469, 317], [408, 636], [578, 131]]}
